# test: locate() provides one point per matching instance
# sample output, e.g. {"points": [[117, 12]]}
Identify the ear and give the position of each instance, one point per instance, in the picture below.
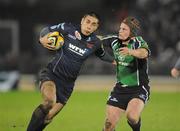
{"points": [[98, 25], [82, 20]]}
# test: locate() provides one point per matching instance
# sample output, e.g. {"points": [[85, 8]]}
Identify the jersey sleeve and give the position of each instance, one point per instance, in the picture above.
{"points": [[62, 28], [100, 51], [108, 39], [142, 44], [104, 55]]}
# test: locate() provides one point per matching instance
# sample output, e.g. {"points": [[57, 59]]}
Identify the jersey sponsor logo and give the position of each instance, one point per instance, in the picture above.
{"points": [[77, 50], [121, 59], [123, 63], [78, 35]]}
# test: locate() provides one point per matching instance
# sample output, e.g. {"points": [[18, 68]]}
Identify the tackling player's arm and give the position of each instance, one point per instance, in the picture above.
{"points": [[141, 49], [106, 41], [140, 53], [104, 55]]}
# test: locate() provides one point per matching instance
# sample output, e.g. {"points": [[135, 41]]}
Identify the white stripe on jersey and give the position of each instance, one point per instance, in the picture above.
{"points": [[58, 61], [146, 93], [114, 41], [108, 37]]}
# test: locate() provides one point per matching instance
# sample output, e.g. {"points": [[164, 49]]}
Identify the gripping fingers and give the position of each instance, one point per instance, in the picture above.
{"points": [[50, 47]]}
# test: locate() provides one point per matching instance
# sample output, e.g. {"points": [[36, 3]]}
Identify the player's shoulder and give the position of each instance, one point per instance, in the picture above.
{"points": [[139, 42], [94, 37], [63, 26], [109, 40], [140, 39]]}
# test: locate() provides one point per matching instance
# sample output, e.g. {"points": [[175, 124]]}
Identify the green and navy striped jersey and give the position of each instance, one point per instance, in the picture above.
{"points": [[130, 71]]}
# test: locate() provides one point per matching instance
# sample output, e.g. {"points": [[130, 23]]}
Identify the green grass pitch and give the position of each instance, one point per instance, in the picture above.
{"points": [[85, 111]]}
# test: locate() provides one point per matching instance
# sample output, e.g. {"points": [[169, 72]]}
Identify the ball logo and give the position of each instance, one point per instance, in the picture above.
{"points": [[56, 41], [53, 40]]}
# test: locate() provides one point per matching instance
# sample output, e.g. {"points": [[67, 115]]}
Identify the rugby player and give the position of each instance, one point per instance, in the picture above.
{"points": [[131, 91], [58, 78]]}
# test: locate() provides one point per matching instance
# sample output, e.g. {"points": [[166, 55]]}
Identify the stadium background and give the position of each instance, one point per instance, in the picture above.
{"points": [[23, 56], [21, 21]]}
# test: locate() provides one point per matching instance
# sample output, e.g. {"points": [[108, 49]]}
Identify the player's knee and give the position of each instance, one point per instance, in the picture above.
{"points": [[133, 118], [109, 125], [49, 93]]}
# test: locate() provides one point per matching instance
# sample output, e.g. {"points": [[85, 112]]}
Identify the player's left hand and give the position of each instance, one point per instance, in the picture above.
{"points": [[46, 42]]}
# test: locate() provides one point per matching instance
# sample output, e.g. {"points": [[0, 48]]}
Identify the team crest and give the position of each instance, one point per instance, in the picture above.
{"points": [[78, 35], [90, 45], [121, 57]]}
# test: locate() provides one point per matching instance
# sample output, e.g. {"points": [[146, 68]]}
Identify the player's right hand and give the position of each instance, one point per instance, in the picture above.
{"points": [[45, 42]]}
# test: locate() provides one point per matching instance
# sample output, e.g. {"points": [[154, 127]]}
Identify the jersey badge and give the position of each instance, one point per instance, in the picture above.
{"points": [[90, 45], [78, 35]]}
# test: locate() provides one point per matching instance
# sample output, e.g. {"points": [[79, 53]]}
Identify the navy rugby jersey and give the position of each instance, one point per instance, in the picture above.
{"points": [[76, 49]]}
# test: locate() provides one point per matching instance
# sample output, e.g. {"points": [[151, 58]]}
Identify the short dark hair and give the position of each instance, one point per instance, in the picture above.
{"points": [[93, 14]]}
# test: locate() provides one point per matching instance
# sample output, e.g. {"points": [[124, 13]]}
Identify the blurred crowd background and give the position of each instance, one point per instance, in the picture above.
{"points": [[22, 20]]}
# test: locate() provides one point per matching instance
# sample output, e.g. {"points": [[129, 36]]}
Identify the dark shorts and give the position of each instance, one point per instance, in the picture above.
{"points": [[64, 88], [120, 96]]}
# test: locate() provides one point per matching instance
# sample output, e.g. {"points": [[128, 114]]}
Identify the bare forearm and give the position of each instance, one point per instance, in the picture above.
{"points": [[139, 53]]}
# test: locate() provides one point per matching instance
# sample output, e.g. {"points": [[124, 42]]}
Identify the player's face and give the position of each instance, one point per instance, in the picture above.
{"points": [[124, 31], [89, 24]]}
